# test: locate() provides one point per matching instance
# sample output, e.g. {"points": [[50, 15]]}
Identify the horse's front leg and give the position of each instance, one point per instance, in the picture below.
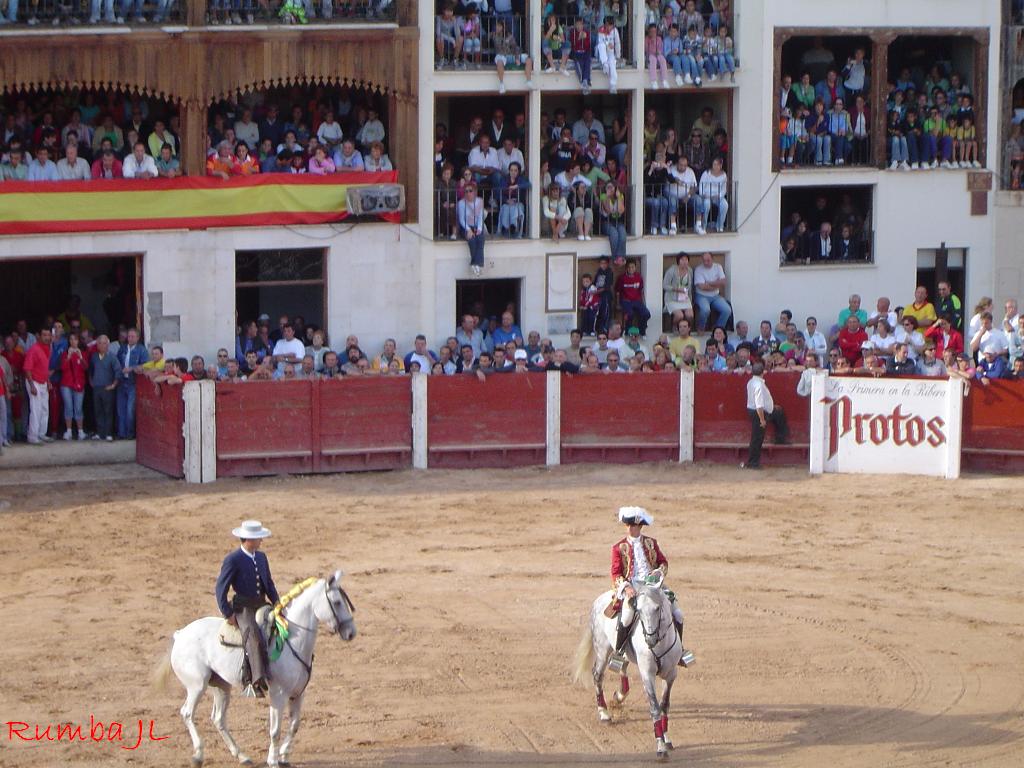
{"points": [[295, 711], [649, 678], [664, 710], [277, 703]]}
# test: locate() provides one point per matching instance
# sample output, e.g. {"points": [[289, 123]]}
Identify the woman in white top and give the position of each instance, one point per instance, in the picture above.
{"points": [[985, 305], [556, 211], [713, 187], [882, 339], [678, 284]]}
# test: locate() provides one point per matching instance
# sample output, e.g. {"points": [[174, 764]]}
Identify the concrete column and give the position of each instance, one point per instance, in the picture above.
{"points": [[533, 149], [419, 421], [636, 161], [819, 430], [686, 415], [554, 419], [200, 429]]}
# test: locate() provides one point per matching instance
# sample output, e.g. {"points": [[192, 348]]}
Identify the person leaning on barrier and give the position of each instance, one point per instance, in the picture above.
{"points": [[761, 408]]}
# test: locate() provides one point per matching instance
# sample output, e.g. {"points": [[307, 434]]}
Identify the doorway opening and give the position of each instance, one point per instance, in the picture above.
{"points": [[280, 282], [942, 264], [488, 298], [39, 291]]}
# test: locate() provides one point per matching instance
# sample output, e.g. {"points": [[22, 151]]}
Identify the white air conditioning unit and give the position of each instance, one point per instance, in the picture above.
{"points": [[375, 198]]}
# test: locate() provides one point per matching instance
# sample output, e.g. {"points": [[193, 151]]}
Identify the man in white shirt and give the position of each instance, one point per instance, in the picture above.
{"points": [[882, 311], [815, 339], [483, 161], [741, 335], [1011, 318], [139, 165], [762, 409], [508, 154], [247, 130], [615, 340], [71, 167], [570, 177], [581, 128], [988, 338], [709, 280], [329, 133], [288, 349]]}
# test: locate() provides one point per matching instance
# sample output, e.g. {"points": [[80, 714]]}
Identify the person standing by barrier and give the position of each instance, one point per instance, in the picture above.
{"points": [[131, 356], [37, 381], [104, 375], [762, 409]]}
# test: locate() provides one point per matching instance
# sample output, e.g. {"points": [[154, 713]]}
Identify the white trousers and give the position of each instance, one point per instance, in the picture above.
{"points": [[608, 65], [38, 411]]}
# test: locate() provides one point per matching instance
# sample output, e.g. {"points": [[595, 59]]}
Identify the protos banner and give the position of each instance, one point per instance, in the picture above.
{"points": [[886, 426]]}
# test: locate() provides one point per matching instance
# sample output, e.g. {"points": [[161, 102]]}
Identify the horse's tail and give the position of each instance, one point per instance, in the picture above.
{"points": [[162, 671], [582, 673]]}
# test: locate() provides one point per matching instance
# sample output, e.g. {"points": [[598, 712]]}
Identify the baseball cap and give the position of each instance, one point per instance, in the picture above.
{"points": [[633, 331], [520, 354]]}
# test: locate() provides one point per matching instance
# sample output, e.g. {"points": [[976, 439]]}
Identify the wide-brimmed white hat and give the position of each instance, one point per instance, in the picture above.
{"points": [[251, 529], [635, 515]]}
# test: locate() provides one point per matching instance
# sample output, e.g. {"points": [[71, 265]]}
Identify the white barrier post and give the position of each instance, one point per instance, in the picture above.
{"points": [[954, 422], [208, 427], [419, 421], [686, 379], [200, 429], [818, 436], [553, 413]]}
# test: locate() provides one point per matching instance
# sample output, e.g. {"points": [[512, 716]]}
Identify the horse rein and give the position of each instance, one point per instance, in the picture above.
{"points": [[657, 635], [337, 630]]}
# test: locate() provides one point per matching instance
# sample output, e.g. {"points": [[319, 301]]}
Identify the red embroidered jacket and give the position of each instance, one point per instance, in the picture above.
{"points": [[622, 559]]}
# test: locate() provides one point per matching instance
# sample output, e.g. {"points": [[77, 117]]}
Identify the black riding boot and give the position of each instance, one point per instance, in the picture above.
{"points": [[621, 637]]}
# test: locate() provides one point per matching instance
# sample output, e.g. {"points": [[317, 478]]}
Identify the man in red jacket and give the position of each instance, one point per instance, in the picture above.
{"points": [[945, 335], [851, 338], [37, 381], [635, 557], [630, 290]]}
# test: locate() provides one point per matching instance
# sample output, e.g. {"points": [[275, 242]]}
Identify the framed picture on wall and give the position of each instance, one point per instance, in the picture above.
{"points": [[560, 294]]}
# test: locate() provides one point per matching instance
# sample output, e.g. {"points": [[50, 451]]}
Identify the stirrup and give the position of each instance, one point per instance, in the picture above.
{"points": [[618, 663], [249, 692], [687, 659]]}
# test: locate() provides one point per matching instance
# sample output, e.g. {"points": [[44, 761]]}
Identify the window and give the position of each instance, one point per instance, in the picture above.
{"points": [[826, 225], [281, 282]]}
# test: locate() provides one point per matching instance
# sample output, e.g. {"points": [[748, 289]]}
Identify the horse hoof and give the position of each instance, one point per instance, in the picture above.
{"points": [[603, 716], [197, 762], [244, 760], [668, 744], [285, 764], [662, 755]]}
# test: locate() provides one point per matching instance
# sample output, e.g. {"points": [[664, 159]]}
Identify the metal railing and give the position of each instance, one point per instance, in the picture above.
{"points": [[77, 12], [481, 54], [817, 152], [585, 215], [314, 11], [568, 22], [669, 208], [506, 215]]}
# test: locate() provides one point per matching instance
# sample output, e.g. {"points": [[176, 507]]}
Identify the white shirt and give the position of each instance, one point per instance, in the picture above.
{"points": [[284, 348], [477, 158], [132, 167], [712, 186], [994, 341], [686, 181], [915, 340], [702, 275], [816, 342], [618, 345], [1013, 320], [758, 395], [641, 568], [889, 318], [505, 159], [329, 133], [885, 346], [803, 387], [424, 360], [973, 327]]}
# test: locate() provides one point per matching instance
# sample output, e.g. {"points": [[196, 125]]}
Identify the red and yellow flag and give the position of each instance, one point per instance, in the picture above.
{"points": [[187, 202]]}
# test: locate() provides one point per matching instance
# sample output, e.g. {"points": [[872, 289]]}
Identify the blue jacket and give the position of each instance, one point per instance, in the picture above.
{"points": [[139, 356], [237, 572]]}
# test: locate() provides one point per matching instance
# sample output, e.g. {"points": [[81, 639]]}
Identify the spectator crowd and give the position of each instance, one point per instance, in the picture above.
{"points": [[94, 135], [68, 381]]}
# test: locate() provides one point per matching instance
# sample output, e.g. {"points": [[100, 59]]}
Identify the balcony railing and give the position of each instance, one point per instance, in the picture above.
{"points": [[591, 24], [299, 11], [480, 54], [585, 214], [506, 214], [670, 209], [821, 151], [77, 12]]}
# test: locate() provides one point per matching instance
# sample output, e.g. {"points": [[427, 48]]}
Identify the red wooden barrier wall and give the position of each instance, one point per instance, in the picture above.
{"points": [[620, 419], [500, 422], [285, 427], [993, 433], [159, 427], [721, 426]]}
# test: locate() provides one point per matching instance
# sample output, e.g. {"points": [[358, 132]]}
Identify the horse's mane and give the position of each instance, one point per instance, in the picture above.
{"points": [[291, 595]]}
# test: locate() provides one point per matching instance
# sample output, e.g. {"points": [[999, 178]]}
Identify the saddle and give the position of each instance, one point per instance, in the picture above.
{"points": [[230, 636]]}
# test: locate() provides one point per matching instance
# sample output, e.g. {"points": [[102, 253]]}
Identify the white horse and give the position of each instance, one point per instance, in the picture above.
{"points": [[199, 659], [654, 648]]}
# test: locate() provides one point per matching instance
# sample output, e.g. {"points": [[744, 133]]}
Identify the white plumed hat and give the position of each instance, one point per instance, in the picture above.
{"points": [[637, 515]]}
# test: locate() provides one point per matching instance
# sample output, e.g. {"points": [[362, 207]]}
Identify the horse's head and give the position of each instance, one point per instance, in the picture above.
{"points": [[654, 610], [336, 608]]}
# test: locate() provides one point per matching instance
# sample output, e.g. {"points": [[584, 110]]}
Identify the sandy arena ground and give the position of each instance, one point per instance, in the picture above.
{"points": [[842, 621]]}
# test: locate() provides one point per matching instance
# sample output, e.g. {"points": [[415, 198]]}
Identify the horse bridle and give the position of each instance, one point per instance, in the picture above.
{"points": [[656, 635], [337, 630]]}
